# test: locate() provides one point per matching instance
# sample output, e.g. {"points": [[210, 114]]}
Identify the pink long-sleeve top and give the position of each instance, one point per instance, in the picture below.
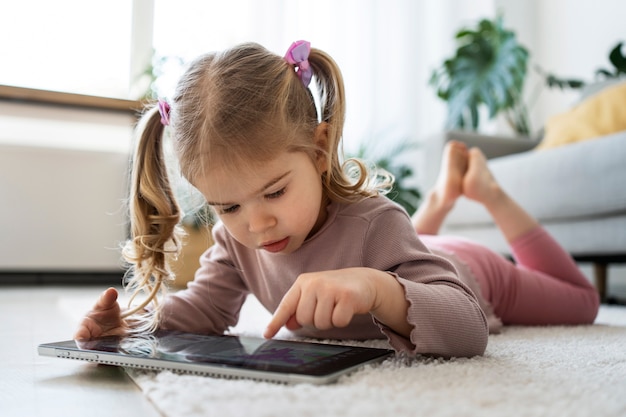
{"points": [[446, 316]]}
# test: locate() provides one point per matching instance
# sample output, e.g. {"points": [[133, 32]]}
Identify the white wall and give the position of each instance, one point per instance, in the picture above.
{"points": [[59, 205], [63, 176], [570, 38]]}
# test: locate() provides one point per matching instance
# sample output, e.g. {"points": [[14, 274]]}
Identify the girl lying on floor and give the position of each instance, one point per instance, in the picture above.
{"points": [[315, 239]]}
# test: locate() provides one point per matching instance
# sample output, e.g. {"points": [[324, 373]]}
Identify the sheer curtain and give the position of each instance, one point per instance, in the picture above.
{"points": [[385, 48]]}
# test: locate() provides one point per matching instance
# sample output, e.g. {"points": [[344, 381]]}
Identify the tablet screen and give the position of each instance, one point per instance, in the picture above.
{"points": [[239, 352]]}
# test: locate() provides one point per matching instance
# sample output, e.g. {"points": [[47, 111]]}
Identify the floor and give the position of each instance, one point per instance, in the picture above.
{"points": [[32, 385]]}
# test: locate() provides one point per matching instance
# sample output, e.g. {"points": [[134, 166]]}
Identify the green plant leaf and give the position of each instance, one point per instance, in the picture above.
{"points": [[377, 151], [618, 59], [553, 81], [604, 73], [488, 69]]}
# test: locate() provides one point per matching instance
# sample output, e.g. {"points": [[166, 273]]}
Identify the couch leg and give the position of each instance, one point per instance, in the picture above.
{"points": [[600, 272]]}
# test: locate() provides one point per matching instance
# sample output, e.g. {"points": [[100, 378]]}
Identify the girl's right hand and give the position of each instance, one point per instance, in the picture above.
{"points": [[104, 319]]}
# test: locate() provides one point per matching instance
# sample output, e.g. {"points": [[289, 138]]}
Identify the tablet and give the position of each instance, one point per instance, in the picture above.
{"points": [[284, 361]]}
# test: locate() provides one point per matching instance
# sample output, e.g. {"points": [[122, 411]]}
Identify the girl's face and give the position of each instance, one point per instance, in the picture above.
{"points": [[272, 206]]}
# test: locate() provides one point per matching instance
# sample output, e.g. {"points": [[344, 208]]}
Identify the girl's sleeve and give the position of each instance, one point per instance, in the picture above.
{"points": [[212, 301], [446, 317]]}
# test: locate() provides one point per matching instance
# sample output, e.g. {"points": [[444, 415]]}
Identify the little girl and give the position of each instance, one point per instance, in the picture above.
{"points": [[314, 239]]}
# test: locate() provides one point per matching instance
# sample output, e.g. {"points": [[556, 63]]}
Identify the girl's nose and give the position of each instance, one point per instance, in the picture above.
{"points": [[260, 220]]}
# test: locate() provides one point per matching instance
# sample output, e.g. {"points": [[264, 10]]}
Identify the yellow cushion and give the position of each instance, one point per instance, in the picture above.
{"points": [[599, 115]]}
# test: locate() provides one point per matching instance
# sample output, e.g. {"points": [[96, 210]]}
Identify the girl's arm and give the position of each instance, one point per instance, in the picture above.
{"points": [[211, 302], [391, 307], [415, 297]]}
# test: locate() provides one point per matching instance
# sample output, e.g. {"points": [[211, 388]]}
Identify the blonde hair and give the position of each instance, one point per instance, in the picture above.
{"points": [[241, 105]]}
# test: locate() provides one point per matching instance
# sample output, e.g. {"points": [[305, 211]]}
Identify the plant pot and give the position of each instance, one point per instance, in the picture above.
{"points": [[195, 243]]}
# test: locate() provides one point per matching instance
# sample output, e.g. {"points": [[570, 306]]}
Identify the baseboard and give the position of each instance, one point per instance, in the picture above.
{"points": [[18, 278], [617, 301]]}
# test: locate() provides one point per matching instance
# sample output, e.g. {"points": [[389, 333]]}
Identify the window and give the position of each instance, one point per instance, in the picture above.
{"points": [[71, 46]]}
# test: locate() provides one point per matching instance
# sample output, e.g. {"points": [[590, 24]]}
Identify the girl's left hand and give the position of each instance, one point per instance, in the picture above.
{"points": [[327, 299]]}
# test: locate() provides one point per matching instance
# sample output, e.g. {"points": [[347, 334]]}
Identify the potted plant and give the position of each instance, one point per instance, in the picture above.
{"points": [[488, 69], [402, 192]]}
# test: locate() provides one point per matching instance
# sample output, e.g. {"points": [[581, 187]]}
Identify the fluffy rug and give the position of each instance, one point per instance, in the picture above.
{"points": [[526, 371]]}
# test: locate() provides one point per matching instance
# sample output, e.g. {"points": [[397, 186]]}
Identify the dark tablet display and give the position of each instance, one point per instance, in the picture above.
{"points": [[229, 356]]}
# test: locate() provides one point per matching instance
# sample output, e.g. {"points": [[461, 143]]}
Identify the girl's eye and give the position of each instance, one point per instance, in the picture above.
{"points": [[234, 208], [276, 194], [230, 209]]}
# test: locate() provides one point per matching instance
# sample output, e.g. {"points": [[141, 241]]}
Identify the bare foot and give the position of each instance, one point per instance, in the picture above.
{"points": [[454, 165], [479, 184], [440, 200]]}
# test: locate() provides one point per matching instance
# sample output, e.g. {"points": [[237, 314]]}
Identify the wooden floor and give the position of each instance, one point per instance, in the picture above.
{"points": [[32, 385]]}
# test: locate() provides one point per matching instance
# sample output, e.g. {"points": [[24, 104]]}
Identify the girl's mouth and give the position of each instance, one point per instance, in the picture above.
{"points": [[276, 246]]}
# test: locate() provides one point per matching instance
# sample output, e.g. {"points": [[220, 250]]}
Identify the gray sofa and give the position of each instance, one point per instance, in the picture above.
{"points": [[577, 191]]}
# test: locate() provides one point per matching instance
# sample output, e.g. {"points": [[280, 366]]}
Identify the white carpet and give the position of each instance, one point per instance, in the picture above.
{"points": [[526, 371]]}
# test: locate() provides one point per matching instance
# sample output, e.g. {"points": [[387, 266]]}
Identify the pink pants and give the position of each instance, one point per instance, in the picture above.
{"points": [[543, 286]]}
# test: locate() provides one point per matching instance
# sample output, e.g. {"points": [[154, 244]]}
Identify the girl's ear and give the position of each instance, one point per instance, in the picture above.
{"points": [[320, 139]]}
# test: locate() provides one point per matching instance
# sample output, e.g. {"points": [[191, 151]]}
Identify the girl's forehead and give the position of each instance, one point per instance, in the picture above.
{"points": [[228, 183]]}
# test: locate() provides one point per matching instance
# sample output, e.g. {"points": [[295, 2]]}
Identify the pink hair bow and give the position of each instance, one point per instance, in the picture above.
{"points": [[298, 55], [164, 111]]}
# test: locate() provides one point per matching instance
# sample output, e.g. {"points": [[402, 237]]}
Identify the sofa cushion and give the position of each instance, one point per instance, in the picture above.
{"points": [[600, 114], [578, 181], [595, 235]]}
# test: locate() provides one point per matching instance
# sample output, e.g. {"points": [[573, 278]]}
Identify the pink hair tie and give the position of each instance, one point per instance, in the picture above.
{"points": [[164, 111], [298, 55]]}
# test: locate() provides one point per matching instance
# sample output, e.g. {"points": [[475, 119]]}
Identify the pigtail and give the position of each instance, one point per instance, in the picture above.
{"points": [[154, 216], [331, 89], [351, 180]]}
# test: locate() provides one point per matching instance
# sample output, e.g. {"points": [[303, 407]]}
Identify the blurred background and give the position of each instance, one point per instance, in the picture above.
{"points": [[64, 159], [387, 49]]}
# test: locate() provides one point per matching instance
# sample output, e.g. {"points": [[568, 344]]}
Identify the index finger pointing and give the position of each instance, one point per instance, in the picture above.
{"points": [[284, 314]]}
